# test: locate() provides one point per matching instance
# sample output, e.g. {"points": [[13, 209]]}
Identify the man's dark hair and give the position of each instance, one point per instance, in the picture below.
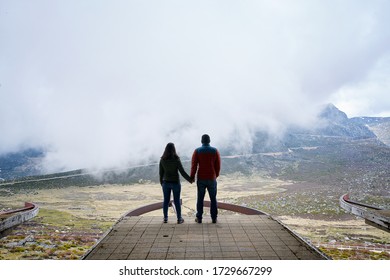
{"points": [[205, 139]]}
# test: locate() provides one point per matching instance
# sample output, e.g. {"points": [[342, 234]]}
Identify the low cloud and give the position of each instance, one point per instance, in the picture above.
{"points": [[103, 85], [369, 96]]}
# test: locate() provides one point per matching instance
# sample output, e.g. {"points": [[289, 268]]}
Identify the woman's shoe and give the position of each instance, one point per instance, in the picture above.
{"points": [[165, 220], [180, 221]]}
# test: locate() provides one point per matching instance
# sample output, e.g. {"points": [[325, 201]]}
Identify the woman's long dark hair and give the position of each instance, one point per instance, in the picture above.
{"points": [[170, 152]]}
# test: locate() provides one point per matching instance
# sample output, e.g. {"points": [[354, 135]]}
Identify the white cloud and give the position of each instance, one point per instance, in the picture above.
{"points": [[103, 84], [369, 96]]}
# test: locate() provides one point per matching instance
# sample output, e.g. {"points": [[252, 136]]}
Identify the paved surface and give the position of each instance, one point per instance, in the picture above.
{"points": [[243, 237]]}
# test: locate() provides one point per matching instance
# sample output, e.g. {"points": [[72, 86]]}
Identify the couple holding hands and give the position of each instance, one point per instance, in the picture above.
{"points": [[206, 163]]}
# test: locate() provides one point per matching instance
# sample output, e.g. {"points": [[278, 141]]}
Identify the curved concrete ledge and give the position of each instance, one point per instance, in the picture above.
{"points": [[236, 208], [374, 216], [13, 218], [221, 205]]}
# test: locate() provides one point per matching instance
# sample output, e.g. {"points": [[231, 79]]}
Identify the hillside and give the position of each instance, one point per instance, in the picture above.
{"points": [[21, 164], [297, 178], [340, 152], [379, 126]]}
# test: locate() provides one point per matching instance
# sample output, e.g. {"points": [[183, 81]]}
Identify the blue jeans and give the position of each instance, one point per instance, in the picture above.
{"points": [[167, 188], [211, 186]]}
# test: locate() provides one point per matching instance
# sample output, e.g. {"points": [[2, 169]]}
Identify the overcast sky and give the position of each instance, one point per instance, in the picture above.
{"points": [[106, 83]]}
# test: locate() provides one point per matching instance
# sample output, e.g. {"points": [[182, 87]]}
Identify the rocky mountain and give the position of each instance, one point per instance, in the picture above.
{"points": [[21, 164], [317, 165], [338, 151], [332, 123], [336, 123], [379, 126]]}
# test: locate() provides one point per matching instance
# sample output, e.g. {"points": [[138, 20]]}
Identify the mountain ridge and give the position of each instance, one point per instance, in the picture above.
{"points": [[335, 127]]}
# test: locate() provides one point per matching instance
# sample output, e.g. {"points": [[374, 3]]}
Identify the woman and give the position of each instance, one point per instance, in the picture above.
{"points": [[170, 164]]}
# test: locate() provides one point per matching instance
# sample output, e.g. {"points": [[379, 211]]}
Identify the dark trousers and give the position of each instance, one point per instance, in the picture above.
{"points": [[175, 188], [211, 187]]}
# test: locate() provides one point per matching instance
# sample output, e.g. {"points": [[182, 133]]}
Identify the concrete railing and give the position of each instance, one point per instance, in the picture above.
{"points": [[221, 205], [12, 218], [374, 216]]}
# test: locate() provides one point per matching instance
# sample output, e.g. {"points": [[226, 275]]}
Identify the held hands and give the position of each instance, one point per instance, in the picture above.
{"points": [[192, 180]]}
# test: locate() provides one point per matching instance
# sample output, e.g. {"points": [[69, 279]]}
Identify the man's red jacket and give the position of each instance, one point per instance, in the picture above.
{"points": [[207, 161]]}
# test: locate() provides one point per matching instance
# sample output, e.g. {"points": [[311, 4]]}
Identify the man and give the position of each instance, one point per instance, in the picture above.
{"points": [[206, 162]]}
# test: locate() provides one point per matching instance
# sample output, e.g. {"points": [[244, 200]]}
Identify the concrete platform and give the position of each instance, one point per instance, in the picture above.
{"points": [[242, 237]]}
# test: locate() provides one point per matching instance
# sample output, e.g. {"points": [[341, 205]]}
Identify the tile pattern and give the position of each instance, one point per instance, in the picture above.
{"points": [[243, 237]]}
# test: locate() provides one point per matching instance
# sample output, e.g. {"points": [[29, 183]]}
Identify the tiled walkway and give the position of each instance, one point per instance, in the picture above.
{"points": [[244, 237]]}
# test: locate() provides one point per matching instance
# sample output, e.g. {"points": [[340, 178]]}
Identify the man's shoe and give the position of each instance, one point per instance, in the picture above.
{"points": [[180, 221], [197, 220], [214, 220], [165, 220]]}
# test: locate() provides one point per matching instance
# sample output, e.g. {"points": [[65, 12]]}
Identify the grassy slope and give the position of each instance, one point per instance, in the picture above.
{"points": [[320, 175], [52, 235]]}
